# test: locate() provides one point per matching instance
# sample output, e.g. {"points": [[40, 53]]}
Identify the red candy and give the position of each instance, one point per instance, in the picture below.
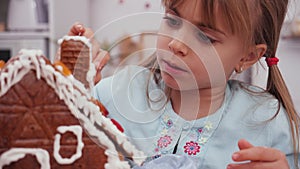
{"points": [[117, 125]]}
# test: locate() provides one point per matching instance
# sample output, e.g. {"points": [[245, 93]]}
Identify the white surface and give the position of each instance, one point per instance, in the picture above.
{"points": [[294, 8], [23, 15], [24, 35], [15, 45]]}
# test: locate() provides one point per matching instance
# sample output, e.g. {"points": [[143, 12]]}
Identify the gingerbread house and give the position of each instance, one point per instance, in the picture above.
{"points": [[48, 119]]}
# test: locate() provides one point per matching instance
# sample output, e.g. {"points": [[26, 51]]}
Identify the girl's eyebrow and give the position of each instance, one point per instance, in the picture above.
{"points": [[173, 11], [200, 25]]}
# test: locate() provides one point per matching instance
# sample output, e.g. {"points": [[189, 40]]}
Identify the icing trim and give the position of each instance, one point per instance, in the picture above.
{"points": [[83, 39], [15, 154], [77, 131]]}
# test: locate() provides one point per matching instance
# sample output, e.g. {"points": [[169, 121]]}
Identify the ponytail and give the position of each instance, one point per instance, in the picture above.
{"points": [[267, 31], [277, 87]]}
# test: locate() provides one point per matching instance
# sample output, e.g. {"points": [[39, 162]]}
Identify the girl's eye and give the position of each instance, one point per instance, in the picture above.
{"points": [[204, 38], [173, 22]]}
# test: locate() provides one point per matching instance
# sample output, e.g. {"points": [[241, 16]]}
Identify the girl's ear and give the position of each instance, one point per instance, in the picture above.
{"points": [[253, 56]]}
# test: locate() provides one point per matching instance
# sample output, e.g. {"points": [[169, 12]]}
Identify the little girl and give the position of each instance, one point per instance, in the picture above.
{"points": [[182, 101]]}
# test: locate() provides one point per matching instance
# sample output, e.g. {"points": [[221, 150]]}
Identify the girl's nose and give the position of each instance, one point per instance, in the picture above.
{"points": [[178, 48]]}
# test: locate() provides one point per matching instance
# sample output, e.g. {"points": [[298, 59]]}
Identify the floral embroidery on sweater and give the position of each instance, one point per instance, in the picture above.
{"points": [[194, 140], [164, 141], [192, 148]]}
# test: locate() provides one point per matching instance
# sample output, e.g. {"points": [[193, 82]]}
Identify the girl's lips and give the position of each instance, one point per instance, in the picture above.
{"points": [[172, 68]]}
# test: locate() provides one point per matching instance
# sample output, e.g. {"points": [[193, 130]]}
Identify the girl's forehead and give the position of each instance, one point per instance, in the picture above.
{"points": [[193, 11], [190, 9]]}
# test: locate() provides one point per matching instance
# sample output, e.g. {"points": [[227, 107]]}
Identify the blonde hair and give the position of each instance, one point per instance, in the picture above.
{"points": [[260, 27]]}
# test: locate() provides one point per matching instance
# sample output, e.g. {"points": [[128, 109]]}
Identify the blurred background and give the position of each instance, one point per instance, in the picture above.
{"points": [[120, 28]]}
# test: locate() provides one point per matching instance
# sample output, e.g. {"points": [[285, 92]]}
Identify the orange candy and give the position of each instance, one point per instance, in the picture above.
{"points": [[101, 107], [65, 70], [2, 63]]}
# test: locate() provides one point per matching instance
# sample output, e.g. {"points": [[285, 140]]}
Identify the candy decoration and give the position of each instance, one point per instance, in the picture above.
{"points": [[117, 125], [101, 107], [62, 68], [2, 63], [105, 113]]}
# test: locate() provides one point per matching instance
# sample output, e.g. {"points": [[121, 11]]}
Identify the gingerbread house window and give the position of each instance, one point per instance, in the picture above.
{"points": [[77, 131]]}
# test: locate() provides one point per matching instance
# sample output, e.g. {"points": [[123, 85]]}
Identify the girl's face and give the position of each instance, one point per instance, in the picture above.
{"points": [[191, 54]]}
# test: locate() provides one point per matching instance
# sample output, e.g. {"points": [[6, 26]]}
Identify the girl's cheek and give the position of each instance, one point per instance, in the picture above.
{"points": [[162, 42], [162, 49]]}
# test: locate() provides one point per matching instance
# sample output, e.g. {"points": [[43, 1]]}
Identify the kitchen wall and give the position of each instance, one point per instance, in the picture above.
{"points": [[109, 19], [3, 11], [289, 65], [64, 13], [116, 18]]}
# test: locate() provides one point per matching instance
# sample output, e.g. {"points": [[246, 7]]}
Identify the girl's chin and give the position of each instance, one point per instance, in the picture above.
{"points": [[169, 80], [176, 84]]}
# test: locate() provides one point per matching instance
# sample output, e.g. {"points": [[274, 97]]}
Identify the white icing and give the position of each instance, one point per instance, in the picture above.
{"points": [[113, 162], [15, 154], [60, 68], [77, 130], [83, 39], [76, 97], [31, 52]]}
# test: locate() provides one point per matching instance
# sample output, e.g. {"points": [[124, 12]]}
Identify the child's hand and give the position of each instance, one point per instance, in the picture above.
{"points": [[100, 57], [258, 157]]}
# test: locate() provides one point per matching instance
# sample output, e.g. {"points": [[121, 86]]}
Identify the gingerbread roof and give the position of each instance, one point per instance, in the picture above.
{"points": [[78, 100]]}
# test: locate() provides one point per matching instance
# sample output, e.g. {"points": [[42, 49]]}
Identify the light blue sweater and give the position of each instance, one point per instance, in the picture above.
{"points": [[209, 141]]}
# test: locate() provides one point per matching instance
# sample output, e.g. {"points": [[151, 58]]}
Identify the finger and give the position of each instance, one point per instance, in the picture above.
{"points": [[89, 33], [244, 144], [256, 165], [101, 59], [97, 77], [104, 61], [100, 62], [76, 29], [95, 48], [258, 154]]}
